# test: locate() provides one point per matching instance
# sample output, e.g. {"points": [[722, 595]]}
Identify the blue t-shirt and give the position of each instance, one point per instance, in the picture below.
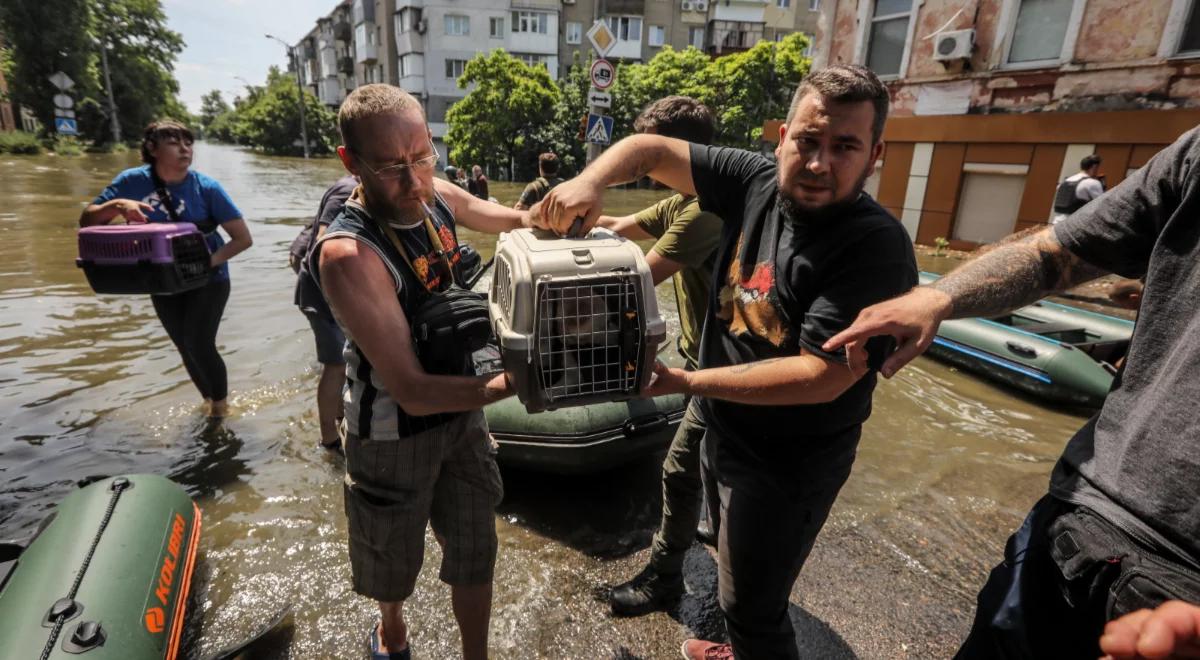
{"points": [[198, 199]]}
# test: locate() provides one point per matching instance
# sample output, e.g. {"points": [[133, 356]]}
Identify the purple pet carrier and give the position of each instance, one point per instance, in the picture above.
{"points": [[149, 258]]}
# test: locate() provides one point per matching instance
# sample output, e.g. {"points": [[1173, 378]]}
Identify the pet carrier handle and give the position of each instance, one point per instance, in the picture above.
{"points": [[644, 424], [576, 228]]}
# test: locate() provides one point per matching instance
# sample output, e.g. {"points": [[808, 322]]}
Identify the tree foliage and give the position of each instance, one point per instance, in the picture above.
{"points": [[508, 109], [47, 36], [212, 105], [515, 111], [269, 118]]}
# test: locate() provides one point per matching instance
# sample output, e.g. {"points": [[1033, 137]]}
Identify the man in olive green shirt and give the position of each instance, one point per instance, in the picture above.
{"points": [[687, 239], [547, 179]]}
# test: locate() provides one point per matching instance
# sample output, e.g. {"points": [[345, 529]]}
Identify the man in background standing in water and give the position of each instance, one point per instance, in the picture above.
{"points": [[547, 179], [1078, 189]]}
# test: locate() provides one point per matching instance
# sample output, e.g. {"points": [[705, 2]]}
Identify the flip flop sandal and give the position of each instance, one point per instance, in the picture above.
{"points": [[373, 643]]}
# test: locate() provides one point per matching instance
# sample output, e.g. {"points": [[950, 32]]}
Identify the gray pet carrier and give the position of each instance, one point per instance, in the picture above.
{"points": [[577, 319]]}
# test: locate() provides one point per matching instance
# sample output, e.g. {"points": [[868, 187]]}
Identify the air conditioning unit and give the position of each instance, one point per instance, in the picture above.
{"points": [[576, 319], [568, 2], [687, 5], [700, 5], [954, 45], [422, 25]]}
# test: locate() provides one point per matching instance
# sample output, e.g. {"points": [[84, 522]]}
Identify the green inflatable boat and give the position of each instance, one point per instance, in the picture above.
{"points": [[586, 438], [106, 576], [1057, 353]]}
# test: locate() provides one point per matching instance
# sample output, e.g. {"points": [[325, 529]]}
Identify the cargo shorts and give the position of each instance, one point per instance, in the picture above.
{"points": [[445, 477]]}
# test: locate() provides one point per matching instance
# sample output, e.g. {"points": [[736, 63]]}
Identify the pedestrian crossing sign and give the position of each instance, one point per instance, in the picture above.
{"points": [[599, 129]]}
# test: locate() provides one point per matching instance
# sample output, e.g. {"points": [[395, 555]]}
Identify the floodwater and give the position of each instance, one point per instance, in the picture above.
{"points": [[90, 385]]}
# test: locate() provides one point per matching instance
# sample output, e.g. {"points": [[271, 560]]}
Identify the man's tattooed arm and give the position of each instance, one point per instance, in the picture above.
{"points": [[1018, 271]]}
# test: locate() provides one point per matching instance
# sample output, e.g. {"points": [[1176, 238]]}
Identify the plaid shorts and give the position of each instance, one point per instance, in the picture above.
{"points": [[445, 477]]}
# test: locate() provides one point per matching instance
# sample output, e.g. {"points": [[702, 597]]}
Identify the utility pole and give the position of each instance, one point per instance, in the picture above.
{"points": [[295, 62], [114, 122]]}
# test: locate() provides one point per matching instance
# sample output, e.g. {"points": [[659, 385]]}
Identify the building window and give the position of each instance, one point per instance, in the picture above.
{"points": [[530, 21], [496, 27], [574, 32], [1190, 41], [406, 19], [783, 4], [696, 37], [454, 68], [532, 60], [627, 28], [657, 36], [814, 5], [409, 65], [889, 35], [457, 26], [987, 206], [1040, 30]]}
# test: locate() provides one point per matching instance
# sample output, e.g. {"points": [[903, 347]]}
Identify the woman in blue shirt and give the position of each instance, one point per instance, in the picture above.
{"points": [[143, 194]]}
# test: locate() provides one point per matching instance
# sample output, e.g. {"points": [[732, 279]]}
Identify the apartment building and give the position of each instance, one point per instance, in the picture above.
{"points": [[436, 38], [642, 27], [996, 101]]}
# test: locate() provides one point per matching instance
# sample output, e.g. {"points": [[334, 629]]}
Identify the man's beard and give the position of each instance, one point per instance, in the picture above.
{"points": [[796, 213]]}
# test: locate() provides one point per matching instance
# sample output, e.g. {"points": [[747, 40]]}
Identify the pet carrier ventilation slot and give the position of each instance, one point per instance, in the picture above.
{"points": [[577, 319]]}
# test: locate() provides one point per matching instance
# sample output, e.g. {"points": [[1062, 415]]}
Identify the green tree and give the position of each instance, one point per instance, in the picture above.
{"points": [[688, 72], [46, 36], [499, 121], [212, 105], [141, 60], [68, 35], [749, 87], [562, 134], [270, 119]]}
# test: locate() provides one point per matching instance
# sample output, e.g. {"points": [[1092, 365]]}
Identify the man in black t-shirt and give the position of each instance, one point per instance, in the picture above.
{"points": [[1119, 529], [803, 250]]}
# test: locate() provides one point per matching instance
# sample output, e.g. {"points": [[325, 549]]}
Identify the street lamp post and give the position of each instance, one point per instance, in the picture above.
{"points": [[299, 88]]}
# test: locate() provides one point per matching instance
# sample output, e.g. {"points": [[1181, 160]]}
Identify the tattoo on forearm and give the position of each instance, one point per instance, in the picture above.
{"points": [[1018, 271], [750, 366]]}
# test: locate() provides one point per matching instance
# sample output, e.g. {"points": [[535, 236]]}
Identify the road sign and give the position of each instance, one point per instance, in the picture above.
{"points": [[599, 130], [65, 126], [602, 38], [64, 102], [603, 74], [599, 99], [62, 81], [59, 112]]}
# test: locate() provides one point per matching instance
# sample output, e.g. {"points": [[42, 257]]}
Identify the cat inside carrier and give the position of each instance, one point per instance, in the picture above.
{"points": [[576, 319]]}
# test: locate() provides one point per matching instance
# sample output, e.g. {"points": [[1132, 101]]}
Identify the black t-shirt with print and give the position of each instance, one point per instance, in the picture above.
{"points": [[783, 285]]}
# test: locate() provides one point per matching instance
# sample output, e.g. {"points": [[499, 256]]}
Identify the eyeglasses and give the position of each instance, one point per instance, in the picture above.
{"points": [[400, 171]]}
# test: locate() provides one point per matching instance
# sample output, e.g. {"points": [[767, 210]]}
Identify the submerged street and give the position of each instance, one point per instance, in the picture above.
{"points": [[948, 464]]}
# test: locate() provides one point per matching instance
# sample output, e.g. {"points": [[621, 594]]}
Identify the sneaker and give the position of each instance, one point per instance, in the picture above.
{"points": [[648, 592], [698, 649]]}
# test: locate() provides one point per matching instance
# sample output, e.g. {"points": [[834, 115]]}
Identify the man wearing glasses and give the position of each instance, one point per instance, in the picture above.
{"points": [[417, 445]]}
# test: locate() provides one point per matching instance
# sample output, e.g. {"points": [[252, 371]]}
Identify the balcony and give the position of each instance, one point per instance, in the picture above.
{"points": [[346, 65], [365, 48], [366, 52], [732, 36]]}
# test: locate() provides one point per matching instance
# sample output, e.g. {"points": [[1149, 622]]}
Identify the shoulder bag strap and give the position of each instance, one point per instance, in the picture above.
{"points": [[164, 196]]}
